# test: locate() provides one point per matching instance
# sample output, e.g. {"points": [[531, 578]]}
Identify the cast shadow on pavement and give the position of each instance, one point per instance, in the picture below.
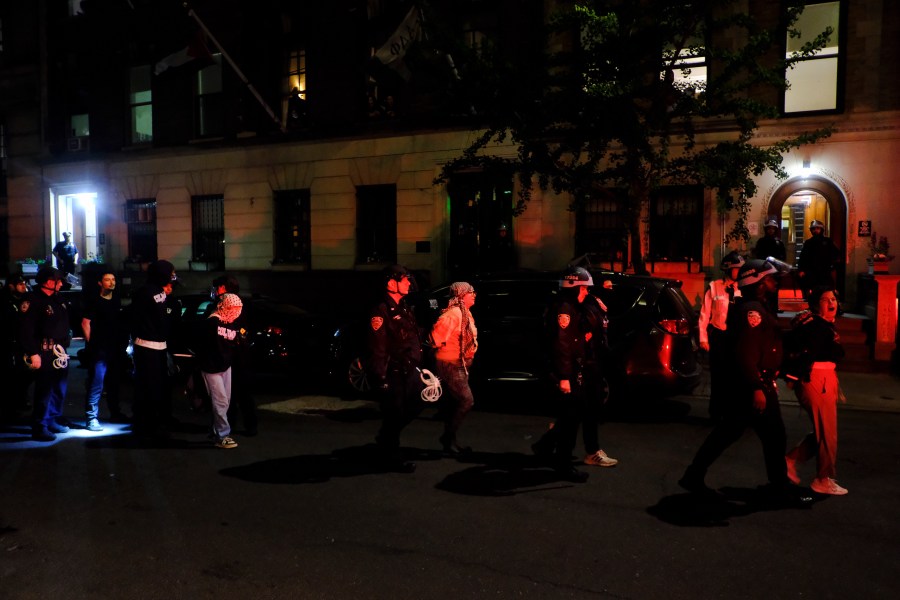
{"points": [[696, 510], [320, 468], [502, 474]]}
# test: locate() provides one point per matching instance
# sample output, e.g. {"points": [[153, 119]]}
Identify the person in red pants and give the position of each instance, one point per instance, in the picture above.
{"points": [[814, 349]]}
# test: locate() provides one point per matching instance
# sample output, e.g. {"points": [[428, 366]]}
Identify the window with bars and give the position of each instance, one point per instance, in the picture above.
{"points": [[140, 217], [208, 227], [376, 224], [292, 231], [676, 223], [601, 226]]}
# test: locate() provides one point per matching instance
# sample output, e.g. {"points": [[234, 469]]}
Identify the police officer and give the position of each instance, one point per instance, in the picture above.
{"points": [[44, 336], [754, 352], [567, 329], [395, 355], [770, 244], [596, 317], [150, 324], [818, 259], [12, 370], [713, 323]]}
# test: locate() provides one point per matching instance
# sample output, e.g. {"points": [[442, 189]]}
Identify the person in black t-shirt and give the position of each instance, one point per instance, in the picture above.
{"points": [[105, 344]]}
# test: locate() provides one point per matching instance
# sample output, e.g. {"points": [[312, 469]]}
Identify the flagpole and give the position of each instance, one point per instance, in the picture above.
{"points": [[237, 69]]}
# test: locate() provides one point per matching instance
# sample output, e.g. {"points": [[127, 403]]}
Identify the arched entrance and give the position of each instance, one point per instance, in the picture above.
{"points": [[803, 199]]}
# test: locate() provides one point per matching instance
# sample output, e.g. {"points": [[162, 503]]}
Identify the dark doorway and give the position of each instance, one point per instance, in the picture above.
{"points": [[481, 235]]}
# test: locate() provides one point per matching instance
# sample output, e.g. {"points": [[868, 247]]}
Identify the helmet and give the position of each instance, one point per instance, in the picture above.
{"points": [[16, 279], [817, 223], [732, 260], [755, 270], [46, 273], [395, 272], [771, 223], [575, 277]]}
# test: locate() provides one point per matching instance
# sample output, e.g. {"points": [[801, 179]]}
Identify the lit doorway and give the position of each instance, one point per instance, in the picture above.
{"points": [[77, 214], [799, 210]]}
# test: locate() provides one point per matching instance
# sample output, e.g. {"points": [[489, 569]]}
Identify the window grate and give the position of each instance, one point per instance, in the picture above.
{"points": [[208, 226]]}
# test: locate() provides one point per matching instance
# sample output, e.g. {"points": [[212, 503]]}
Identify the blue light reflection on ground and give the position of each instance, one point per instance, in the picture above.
{"points": [[16, 437]]}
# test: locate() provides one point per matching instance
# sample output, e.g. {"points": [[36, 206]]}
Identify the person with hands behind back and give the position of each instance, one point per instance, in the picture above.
{"points": [[813, 348]]}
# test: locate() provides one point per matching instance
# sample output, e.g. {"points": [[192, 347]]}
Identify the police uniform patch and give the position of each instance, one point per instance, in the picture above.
{"points": [[376, 322], [754, 318], [563, 320], [24, 306]]}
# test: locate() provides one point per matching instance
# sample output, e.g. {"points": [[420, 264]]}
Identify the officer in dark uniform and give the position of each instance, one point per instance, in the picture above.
{"points": [[44, 336], [754, 352], [596, 385], [818, 259], [770, 244], [567, 328], [13, 373], [151, 316], [395, 355]]}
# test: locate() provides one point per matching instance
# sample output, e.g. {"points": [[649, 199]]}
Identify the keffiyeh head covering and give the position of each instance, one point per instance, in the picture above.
{"points": [[458, 290], [229, 308]]}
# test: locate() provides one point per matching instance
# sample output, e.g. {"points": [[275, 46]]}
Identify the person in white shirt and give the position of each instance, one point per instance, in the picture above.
{"points": [[713, 314]]}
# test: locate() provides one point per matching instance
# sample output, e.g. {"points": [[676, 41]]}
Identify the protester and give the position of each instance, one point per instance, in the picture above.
{"points": [[813, 347], [455, 338], [105, 342], [215, 353]]}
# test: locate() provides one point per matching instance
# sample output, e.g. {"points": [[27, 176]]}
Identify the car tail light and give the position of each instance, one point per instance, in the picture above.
{"points": [[676, 326], [273, 330]]}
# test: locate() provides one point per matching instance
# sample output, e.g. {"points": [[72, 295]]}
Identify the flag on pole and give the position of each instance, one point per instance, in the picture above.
{"points": [[391, 53], [195, 50]]}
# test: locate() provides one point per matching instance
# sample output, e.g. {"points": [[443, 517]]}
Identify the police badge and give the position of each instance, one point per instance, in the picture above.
{"points": [[754, 318], [563, 320], [377, 322]]}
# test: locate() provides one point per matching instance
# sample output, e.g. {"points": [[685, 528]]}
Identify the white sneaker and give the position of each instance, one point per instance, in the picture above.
{"points": [[600, 459], [226, 442], [827, 485]]}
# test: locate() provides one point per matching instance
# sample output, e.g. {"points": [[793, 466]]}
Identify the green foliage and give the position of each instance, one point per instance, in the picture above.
{"points": [[606, 110]]}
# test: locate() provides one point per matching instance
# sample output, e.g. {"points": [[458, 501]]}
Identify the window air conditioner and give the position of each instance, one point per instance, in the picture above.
{"points": [[77, 144]]}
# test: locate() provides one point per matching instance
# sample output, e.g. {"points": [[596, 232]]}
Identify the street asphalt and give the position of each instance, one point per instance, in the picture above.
{"points": [[303, 511]]}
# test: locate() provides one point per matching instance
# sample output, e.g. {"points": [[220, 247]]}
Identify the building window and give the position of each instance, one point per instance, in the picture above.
{"points": [[294, 104], [676, 223], [140, 99], [3, 164], [292, 227], [140, 216], [814, 81], [210, 100], [601, 227], [208, 227], [376, 224]]}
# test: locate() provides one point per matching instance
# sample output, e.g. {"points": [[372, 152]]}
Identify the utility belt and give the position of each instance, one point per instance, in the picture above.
{"points": [[48, 344]]}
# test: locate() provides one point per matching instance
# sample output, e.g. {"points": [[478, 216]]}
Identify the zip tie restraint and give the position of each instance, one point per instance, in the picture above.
{"points": [[432, 390], [62, 359]]}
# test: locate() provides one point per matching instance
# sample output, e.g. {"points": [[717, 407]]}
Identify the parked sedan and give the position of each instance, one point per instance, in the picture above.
{"points": [[284, 338], [652, 332]]}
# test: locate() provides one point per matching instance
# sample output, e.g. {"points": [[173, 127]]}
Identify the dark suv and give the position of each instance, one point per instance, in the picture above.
{"points": [[652, 332]]}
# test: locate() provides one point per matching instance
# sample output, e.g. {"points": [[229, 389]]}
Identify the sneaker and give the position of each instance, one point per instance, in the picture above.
{"points": [[93, 425], [828, 486], [57, 428], [226, 442], [600, 459], [792, 470], [42, 434]]}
